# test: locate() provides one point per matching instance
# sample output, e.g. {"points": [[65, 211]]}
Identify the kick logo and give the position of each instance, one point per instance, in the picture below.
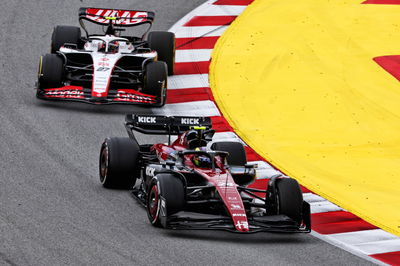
{"points": [[190, 121], [150, 171], [146, 119]]}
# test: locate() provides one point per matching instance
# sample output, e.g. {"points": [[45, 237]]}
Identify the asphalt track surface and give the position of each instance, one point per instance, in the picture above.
{"points": [[53, 210]]}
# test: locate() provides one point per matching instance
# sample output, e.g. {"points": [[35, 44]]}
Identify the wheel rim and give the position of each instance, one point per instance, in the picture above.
{"points": [[40, 67], [153, 204], [103, 164]]}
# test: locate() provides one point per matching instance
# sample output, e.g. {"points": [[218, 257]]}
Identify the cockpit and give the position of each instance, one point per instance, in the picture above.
{"points": [[108, 44]]}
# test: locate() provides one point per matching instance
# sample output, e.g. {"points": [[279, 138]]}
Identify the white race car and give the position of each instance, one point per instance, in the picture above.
{"points": [[108, 68]]}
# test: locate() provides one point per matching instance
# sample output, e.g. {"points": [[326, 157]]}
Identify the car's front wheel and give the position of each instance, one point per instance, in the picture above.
{"points": [[51, 71], [171, 189], [155, 81], [289, 198], [118, 164]]}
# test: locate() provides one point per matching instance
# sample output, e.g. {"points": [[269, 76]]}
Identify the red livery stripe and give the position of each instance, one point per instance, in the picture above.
{"points": [[188, 95], [187, 68], [233, 2], [382, 2], [391, 258], [210, 21], [196, 43]]}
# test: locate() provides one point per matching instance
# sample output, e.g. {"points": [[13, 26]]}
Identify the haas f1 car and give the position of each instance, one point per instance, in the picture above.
{"points": [[108, 68], [194, 183]]}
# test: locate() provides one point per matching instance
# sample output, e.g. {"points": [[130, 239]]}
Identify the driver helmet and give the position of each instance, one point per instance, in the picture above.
{"points": [[113, 47], [201, 161], [99, 45]]}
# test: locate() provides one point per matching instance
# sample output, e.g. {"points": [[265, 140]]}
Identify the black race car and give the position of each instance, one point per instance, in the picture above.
{"points": [[108, 67], [193, 183]]}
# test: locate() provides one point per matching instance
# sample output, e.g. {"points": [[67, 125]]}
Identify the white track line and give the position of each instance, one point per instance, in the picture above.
{"points": [[192, 55], [311, 197], [200, 31], [188, 81], [221, 10], [323, 206], [200, 108], [199, 10], [365, 236]]}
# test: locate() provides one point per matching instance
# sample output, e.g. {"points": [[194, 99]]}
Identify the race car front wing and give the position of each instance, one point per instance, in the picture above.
{"points": [[81, 94], [268, 223]]}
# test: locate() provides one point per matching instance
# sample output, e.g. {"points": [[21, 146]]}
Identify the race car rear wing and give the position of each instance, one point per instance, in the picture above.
{"points": [[164, 125], [117, 17]]}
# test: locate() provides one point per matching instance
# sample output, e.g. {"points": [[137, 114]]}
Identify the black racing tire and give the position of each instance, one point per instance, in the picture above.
{"points": [[51, 71], [64, 34], [289, 198], [118, 164], [164, 43], [237, 154], [169, 187], [155, 81]]}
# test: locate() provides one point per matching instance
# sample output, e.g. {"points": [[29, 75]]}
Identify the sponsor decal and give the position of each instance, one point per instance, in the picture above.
{"points": [[63, 92], [148, 119], [242, 225], [163, 211], [128, 97], [236, 207], [127, 17], [190, 121], [239, 214], [225, 184], [150, 171], [102, 69], [232, 198], [104, 64]]}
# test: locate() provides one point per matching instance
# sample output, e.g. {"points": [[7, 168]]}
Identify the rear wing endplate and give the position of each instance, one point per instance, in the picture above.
{"points": [[164, 125]]}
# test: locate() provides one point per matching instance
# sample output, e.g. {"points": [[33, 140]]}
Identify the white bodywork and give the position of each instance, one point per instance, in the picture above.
{"points": [[105, 52]]}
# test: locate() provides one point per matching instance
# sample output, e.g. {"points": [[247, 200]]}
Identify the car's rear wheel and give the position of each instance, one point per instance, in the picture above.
{"points": [[118, 165], [237, 154], [51, 71], [164, 43], [155, 81], [171, 189], [289, 198], [64, 34]]}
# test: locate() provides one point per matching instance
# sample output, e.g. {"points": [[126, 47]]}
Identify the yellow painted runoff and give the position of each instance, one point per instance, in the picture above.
{"points": [[297, 81]]}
